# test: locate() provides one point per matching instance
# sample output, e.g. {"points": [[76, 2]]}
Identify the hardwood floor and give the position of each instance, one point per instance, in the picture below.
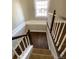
{"points": [[39, 40]]}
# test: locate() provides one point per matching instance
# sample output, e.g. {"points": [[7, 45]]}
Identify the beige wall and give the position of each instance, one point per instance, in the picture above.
{"points": [[59, 6], [29, 10], [26, 11], [17, 14], [18, 17]]}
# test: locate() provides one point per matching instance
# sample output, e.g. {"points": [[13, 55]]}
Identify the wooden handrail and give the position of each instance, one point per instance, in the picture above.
{"points": [[16, 37], [27, 34], [19, 36], [52, 20]]}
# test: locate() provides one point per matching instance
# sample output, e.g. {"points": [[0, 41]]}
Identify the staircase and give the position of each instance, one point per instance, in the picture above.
{"points": [[56, 41], [41, 54]]}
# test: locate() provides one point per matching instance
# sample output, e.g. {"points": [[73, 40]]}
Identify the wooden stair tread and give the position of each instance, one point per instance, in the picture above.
{"points": [[41, 54], [41, 51]]}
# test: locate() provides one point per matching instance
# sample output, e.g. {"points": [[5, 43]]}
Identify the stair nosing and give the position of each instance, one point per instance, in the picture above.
{"points": [[41, 54], [40, 49]]}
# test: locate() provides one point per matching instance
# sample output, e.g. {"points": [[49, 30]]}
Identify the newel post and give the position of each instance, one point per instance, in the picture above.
{"points": [[30, 38], [53, 18]]}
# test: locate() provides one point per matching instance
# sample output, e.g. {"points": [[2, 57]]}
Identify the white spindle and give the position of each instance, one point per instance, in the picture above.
{"points": [[63, 52], [16, 53], [53, 34], [56, 29], [62, 43], [28, 40], [23, 43], [53, 30], [60, 35], [57, 32], [20, 48], [19, 44]]}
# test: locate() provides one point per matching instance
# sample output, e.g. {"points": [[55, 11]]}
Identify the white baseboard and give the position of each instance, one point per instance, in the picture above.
{"points": [[37, 30], [32, 23]]}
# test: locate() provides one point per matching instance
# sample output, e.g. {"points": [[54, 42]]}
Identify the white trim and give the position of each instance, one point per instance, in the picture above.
{"points": [[36, 26], [37, 30], [18, 28]]}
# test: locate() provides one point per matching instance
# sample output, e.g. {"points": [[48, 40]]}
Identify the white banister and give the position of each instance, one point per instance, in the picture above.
{"points": [[60, 35], [15, 53], [62, 43], [57, 32], [63, 52], [26, 54], [51, 44], [20, 46]]}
